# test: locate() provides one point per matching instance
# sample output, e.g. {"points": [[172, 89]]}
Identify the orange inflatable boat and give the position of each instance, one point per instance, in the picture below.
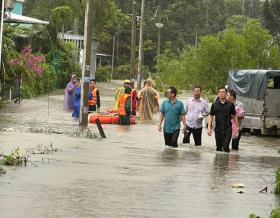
{"points": [[108, 119]]}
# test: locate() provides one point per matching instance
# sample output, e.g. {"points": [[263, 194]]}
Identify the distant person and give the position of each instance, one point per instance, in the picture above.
{"points": [[77, 100], [69, 94], [172, 112], [223, 111], [119, 92], [94, 103], [134, 98], [148, 102], [196, 109], [240, 112], [145, 83], [125, 107]]}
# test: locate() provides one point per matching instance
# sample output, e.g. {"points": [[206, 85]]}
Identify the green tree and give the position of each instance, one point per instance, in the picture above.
{"points": [[62, 16], [271, 15], [234, 48]]}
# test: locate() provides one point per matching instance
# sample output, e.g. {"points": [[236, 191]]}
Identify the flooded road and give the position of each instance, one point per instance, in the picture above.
{"points": [[130, 173]]}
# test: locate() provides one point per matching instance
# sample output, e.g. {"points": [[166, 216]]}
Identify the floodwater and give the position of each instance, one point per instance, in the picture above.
{"points": [[130, 173]]}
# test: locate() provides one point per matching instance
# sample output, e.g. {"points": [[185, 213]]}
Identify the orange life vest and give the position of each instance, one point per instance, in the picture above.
{"points": [[123, 98], [93, 101]]}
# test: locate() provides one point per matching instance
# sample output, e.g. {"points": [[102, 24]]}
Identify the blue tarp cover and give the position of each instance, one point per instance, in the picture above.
{"points": [[250, 83]]}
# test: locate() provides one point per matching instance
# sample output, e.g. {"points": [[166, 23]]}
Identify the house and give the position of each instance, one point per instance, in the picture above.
{"points": [[78, 40], [18, 7], [13, 13]]}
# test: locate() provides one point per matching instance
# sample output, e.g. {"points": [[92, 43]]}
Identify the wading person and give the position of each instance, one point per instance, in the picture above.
{"points": [[77, 100], [134, 98], [69, 94], [172, 112], [94, 103], [196, 109], [240, 111], [223, 111], [148, 102], [125, 107], [118, 94]]}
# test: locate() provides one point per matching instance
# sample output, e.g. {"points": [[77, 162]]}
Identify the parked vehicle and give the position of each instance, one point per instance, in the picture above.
{"points": [[259, 91]]}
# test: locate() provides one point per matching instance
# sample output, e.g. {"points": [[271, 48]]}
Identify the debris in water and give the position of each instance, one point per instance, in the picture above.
{"points": [[14, 159], [78, 132], [8, 129], [2, 171], [41, 149], [238, 185], [263, 190]]}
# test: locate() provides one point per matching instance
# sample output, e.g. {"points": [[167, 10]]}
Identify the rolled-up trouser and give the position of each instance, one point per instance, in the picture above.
{"points": [[171, 138], [223, 138]]}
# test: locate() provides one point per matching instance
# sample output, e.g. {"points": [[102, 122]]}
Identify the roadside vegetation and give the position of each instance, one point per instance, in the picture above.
{"points": [[197, 48], [275, 213]]}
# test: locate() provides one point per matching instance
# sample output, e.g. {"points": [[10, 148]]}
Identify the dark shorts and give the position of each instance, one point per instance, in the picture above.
{"points": [[171, 138], [92, 108]]}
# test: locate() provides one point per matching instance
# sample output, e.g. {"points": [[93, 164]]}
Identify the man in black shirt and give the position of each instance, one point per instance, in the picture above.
{"points": [[223, 111]]}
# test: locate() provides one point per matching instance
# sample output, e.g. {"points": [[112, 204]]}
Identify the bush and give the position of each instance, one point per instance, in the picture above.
{"points": [[122, 72], [35, 74], [275, 213], [209, 95], [64, 60], [277, 187], [103, 74], [253, 216]]}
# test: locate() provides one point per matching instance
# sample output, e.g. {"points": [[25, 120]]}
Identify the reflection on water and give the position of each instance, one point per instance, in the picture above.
{"points": [[131, 173]]}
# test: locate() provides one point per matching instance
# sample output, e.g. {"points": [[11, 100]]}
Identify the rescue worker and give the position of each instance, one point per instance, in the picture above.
{"points": [[118, 94], [94, 104], [125, 107]]}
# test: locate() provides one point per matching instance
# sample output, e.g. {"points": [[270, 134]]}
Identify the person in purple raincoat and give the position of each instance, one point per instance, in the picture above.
{"points": [[69, 94]]}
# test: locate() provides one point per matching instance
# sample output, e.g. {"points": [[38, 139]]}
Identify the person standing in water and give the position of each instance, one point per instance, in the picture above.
{"points": [[148, 102], [196, 109], [172, 112], [69, 94], [94, 103]]}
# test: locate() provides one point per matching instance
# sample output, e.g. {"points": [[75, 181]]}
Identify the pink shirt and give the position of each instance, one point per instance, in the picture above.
{"points": [[195, 108]]}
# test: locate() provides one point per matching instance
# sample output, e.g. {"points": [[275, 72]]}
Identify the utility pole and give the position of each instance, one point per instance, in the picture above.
{"points": [[195, 45], [159, 25], [207, 16], [113, 56], [140, 47], [133, 40], [1, 29], [86, 64]]}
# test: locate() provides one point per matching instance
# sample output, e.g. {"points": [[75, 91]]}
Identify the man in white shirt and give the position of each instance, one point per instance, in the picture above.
{"points": [[196, 108]]}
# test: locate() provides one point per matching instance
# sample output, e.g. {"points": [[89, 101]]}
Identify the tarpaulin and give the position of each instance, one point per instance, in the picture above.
{"points": [[250, 83]]}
